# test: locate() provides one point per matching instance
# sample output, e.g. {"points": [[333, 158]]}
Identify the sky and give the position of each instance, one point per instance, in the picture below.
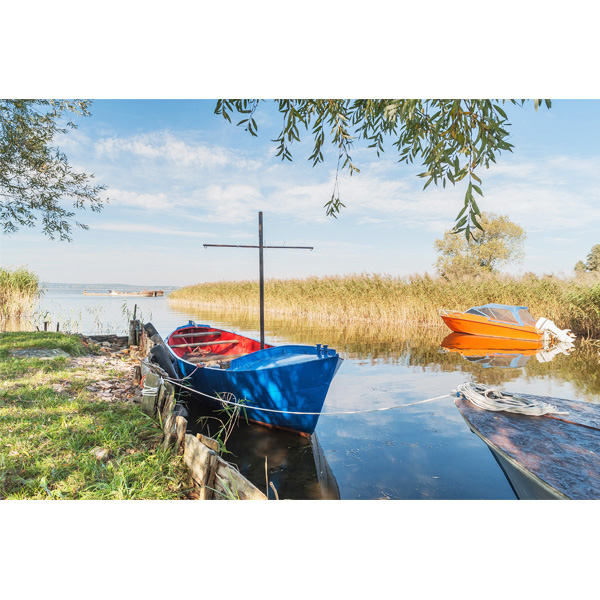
{"points": [[178, 176]]}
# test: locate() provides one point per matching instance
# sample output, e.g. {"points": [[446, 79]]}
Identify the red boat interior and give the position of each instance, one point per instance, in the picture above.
{"points": [[206, 344]]}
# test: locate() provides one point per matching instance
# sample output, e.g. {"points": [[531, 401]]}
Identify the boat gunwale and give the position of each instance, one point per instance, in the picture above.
{"points": [[232, 366]]}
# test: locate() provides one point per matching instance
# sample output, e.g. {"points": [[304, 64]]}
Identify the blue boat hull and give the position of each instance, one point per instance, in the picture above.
{"points": [[282, 386]]}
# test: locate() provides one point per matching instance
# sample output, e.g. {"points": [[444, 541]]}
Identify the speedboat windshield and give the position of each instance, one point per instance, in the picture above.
{"points": [[518, 315], [526, 317]]}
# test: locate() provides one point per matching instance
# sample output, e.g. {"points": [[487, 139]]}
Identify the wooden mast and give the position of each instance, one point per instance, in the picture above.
{"points": [[260, 247]]}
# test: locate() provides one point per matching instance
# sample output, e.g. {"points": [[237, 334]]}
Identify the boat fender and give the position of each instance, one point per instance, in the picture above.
{"points": [[157, 339], [159, 355], [150, 330]]}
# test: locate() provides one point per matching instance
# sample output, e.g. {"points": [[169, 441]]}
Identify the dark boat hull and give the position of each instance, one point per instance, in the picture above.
{"points": [[283, 386], [550, 456]]}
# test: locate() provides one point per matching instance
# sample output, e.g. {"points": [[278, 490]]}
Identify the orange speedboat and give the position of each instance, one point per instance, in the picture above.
{"points": [[503, 321]]}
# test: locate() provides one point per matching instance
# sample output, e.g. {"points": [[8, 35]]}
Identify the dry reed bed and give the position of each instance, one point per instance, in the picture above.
{"points": [[18, 290], [572, 303]]}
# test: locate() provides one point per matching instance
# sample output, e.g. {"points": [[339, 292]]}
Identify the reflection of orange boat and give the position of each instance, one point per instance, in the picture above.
{"points": [[501, 352], [504, 321], [476, 345], [492, 352]]}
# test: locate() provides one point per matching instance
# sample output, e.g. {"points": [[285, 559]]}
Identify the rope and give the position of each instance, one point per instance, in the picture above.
{"points": [[492, 399], [288, 412], [149, 390], [480, 396]]}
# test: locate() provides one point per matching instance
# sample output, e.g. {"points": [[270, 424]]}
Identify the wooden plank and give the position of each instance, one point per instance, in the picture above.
{"points": [[213, 357], [228, 482], [197, 334], [210, 471], [197, 457], [561, 450], [180, 429], [198, 344], [212, 444]]}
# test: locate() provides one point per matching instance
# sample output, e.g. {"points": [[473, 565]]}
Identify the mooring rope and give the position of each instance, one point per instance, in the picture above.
{"points": [[483, 397], [289, 412], [149, 390], [495, 400]]}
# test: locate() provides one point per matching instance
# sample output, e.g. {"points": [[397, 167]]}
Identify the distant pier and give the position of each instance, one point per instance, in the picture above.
{"points": [[144, 293]]}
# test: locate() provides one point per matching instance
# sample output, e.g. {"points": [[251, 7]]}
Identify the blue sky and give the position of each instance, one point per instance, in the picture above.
{"points": [[178, 177]]}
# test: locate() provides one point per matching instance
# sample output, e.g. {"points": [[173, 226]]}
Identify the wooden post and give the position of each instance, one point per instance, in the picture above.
{"points": [[133, 336], [180, 429], [149, 401], [261, 280]]}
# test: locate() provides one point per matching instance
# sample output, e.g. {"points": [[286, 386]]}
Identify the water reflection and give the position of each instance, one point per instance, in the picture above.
{"points": [[419, 347], [296, 466], [503, 353], [397, 449], [412, 451]]}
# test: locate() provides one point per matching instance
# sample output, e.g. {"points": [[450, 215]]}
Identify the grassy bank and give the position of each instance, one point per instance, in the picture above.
{"points": [[415, 300], [18, 290], [58, 439]]}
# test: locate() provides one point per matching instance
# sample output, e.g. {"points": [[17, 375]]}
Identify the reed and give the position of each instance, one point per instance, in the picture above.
{"points": [[572, 303], [18, 290]]}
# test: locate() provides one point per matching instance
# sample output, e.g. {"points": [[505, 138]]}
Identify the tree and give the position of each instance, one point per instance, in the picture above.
{"points": [[593, 259], [36, 177], [453, 138], [499, 243]]}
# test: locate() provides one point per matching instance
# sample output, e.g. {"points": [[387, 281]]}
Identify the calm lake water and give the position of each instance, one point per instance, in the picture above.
{"points": [[411, 451]]}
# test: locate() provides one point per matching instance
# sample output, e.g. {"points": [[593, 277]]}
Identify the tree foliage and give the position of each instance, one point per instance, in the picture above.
{"points": [[452, 138], [499, 242], [592, 263], [35, 177]]}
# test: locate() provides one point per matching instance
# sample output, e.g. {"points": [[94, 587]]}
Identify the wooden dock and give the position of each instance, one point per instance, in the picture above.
{"points": [[142, 294]]}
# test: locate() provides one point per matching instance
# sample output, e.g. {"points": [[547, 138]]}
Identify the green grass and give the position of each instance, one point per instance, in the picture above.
{"points": [[415, 300], [50, 425]]}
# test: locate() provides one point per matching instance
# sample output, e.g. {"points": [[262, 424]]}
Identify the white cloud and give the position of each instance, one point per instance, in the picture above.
{"points": [[145, 228], [165, 146], [122, 198]]}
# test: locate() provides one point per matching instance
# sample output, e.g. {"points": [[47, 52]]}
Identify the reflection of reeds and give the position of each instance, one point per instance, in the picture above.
{"points": [[414, 300], [417, 348], [18, 290]]}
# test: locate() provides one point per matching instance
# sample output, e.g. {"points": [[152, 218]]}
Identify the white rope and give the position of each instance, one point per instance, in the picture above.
{"points": [[495, 400], [288, 412], [149, 390]]}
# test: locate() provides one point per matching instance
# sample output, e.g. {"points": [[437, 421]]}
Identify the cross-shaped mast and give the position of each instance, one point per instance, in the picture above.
{"points": [[260, 247]]}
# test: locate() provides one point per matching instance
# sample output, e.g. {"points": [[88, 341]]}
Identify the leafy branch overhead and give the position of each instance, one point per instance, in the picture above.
{"points": [[35, 177], [451, 138]]}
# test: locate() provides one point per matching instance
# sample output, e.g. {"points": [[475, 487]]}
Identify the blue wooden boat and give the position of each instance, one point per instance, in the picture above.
{"points": [[279, 386]]}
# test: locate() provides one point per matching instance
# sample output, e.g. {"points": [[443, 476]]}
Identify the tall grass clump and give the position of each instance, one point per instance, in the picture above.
{"points": [[18, 289], [413, 300]]}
